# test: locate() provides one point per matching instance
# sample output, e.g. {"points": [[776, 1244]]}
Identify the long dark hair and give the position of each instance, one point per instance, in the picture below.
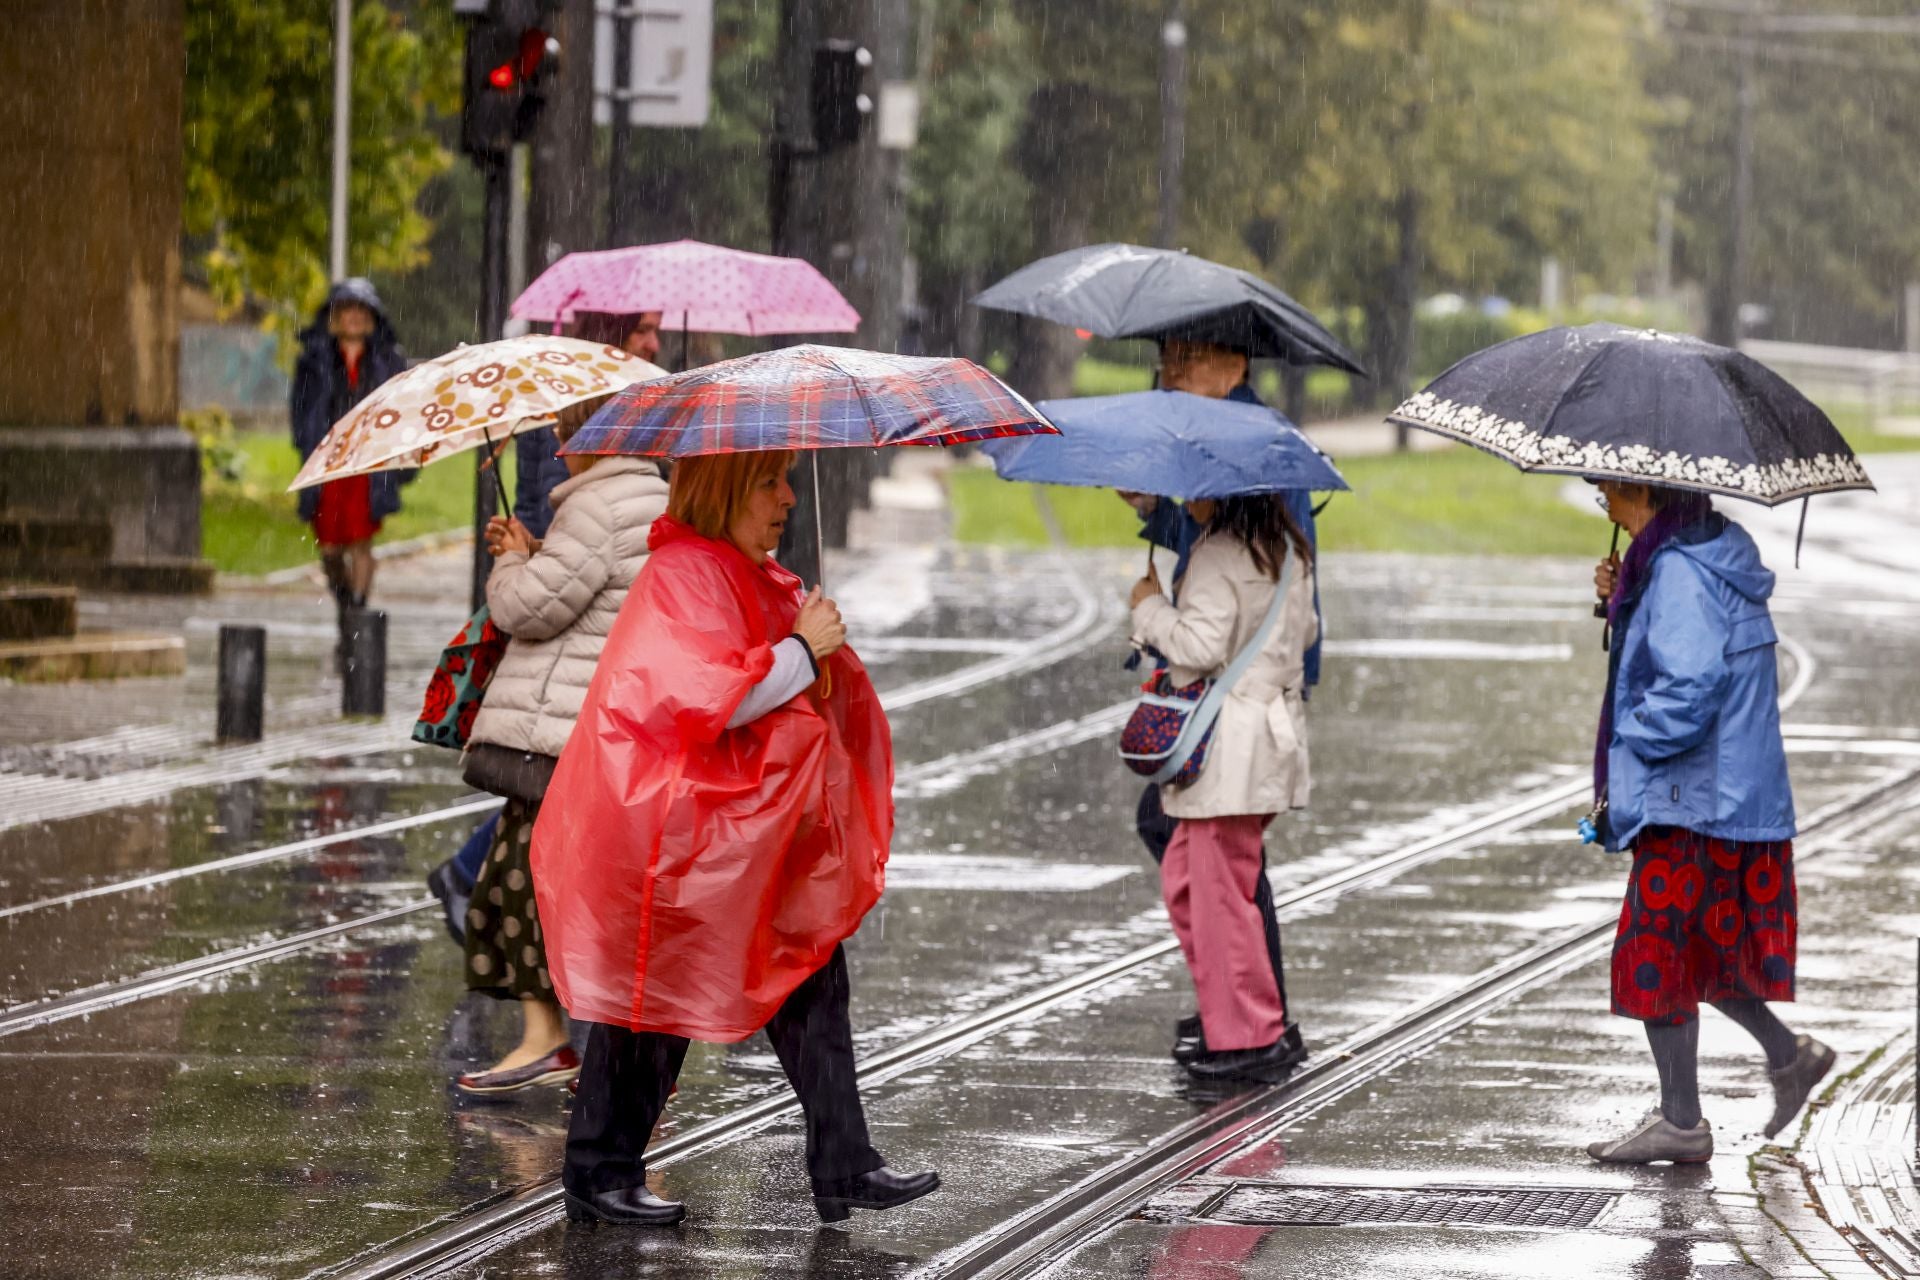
{"points": [[1262, 522]]}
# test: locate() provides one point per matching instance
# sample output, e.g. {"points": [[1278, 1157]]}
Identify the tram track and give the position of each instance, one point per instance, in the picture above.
{"points": [[474, 1234], [1087, 626], [465, 1239], [486, 1229], [1053, 1229]]}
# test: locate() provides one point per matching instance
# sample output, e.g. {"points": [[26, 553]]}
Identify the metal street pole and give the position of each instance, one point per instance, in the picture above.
{"points": [[493, 314], [795, 223], [342, 113], [1173, 120], [1725, 318], [562, 204], [620, 136]]}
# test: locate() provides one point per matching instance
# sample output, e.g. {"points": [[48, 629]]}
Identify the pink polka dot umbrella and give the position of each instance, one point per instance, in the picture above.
{"points": [[694, 286]]}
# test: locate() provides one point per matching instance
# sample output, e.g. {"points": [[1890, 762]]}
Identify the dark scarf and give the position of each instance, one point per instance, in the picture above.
{"points": [[1680, 514]]}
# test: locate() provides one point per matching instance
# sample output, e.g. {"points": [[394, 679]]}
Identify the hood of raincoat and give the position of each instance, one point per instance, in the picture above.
{"points": [[353, 289], [689, 875], [320, 395], [1696, 730], [1732, 558]]}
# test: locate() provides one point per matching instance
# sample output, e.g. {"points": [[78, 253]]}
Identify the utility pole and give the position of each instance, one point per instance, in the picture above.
{"points": [[342, 136], [620, 135], [560, 213], [787, 190], [820, 159], [496, 172], [1173, 120], [1723, 320]]}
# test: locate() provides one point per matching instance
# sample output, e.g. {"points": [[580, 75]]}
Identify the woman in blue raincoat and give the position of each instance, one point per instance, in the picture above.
{"points": [[1690, 775]]}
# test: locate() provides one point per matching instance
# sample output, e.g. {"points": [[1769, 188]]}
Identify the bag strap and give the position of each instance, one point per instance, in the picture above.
{"points": [[1201, 721], [1244, 659]]}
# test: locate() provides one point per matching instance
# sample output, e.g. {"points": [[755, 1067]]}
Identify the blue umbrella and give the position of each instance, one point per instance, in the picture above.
{"points": [[1166, 442]]}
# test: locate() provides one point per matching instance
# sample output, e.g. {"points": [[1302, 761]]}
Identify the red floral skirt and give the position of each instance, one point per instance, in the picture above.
{"points": [[345, 513], [1704, 920]]}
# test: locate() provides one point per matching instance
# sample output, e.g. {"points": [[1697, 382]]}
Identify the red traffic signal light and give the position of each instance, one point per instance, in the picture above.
{"points": [[509, 60]]}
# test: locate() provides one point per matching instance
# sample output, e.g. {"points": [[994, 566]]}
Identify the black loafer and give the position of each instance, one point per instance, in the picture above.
{"points": [[626, 1207], [881, 1189], [1269, 1063]]}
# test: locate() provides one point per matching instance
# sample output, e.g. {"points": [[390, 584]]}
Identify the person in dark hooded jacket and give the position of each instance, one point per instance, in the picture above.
{"points": [[347, 351], [1690, 775]]}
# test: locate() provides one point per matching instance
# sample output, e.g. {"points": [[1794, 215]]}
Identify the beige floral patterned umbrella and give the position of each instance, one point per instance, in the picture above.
{"points": [[462, 400]]}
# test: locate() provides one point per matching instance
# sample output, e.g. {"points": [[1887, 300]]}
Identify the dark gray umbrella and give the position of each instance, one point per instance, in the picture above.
{"points": [[1127, 291], [1611, 403]]}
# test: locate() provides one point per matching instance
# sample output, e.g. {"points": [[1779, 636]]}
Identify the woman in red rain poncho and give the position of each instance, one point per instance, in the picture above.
{"points": [[716, 827]]}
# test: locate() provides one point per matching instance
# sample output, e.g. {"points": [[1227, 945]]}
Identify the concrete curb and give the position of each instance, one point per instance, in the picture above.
{"points": [[310, 573]]}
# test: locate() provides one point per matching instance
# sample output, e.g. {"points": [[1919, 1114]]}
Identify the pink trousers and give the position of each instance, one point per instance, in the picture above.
{"points": [[1208, 879]]}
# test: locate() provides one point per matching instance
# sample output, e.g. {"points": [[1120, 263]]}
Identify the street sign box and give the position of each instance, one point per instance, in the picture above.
{"points": [[671, 49]]}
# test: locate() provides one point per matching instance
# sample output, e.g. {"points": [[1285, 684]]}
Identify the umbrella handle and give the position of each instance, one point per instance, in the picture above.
{"points": [[499, 485], [1600, 608], [819, 536]]}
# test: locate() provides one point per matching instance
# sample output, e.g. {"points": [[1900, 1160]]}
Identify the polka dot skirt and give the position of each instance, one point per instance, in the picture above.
{"points": [[505, 956], [1704, 920]]}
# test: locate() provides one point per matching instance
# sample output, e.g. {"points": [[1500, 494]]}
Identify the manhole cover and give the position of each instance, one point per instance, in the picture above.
{"points": [[1274, 1205]]}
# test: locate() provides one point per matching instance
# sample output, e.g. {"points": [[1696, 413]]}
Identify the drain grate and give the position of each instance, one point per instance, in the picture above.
{"points": [[1276, 1205]]}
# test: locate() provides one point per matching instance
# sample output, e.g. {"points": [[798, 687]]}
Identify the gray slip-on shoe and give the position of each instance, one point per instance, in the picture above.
{"points": [[1655, 1139], [1793, 1083]]}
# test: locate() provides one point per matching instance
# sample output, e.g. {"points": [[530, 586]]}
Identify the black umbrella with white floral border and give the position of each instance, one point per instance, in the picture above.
{"points": [[1606, 402]]}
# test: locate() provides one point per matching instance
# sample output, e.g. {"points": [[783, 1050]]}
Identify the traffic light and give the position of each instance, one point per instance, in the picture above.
{"points": [[510, 57], [839, 98]]}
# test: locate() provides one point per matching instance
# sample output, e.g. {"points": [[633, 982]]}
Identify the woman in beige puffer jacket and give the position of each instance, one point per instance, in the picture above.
{"points": [[557, 598]]}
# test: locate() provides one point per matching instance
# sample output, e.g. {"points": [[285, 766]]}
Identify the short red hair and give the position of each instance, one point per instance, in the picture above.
{"points": [[708, 489]]}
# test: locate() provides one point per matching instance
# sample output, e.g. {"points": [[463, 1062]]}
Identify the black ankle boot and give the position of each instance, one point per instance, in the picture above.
{"points": [[1189, 1040], [881, 1189], [624, 1207]]}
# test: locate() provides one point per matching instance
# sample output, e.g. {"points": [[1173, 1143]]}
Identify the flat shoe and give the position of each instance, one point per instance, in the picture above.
{"points": [[558, 1067], [624, 1207], [1656, 1139], [1794, 1082], [1268, 1064], [881, 1189]]}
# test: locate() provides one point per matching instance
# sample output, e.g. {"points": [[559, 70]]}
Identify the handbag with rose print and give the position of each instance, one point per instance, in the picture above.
{"points": [[460, 681]]}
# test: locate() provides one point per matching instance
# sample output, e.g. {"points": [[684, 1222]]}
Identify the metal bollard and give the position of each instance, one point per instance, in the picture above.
{"points": [[242, 696], [363, 689]]}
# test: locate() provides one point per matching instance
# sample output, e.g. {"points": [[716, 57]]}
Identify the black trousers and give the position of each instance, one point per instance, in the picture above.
{"points": [[1156, 832], [626, 1077]]}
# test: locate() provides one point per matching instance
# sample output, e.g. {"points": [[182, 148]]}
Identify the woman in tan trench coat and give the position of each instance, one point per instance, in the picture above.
{"points": [[1256, 765]]}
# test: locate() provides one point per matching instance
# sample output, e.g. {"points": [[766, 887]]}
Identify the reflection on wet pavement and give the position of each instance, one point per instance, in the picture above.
{"points": [[294, 1115]]}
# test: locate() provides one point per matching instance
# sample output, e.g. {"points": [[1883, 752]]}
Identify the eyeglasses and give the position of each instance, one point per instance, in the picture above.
{"points": [[1600, 500]]}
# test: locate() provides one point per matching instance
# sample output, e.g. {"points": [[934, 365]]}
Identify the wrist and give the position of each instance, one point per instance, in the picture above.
{"points": [[807, 649]]}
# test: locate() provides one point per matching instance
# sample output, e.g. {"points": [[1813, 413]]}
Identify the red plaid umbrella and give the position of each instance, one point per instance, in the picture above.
{"points": [[812, 398]]}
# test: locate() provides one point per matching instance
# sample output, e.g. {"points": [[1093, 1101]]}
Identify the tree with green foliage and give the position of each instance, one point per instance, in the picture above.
{"points": [[968, 216], [258, 121], [1389, 148]]}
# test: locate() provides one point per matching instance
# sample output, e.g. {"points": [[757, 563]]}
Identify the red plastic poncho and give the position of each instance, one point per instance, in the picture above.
{"points": [[690, 876]]}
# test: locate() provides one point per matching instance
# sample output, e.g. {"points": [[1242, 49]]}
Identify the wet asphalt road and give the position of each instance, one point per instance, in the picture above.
{"points": [[293, 1116]]}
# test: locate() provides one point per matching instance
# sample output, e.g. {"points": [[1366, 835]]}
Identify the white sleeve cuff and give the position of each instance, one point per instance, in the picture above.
{"points": [[792, 672]]}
